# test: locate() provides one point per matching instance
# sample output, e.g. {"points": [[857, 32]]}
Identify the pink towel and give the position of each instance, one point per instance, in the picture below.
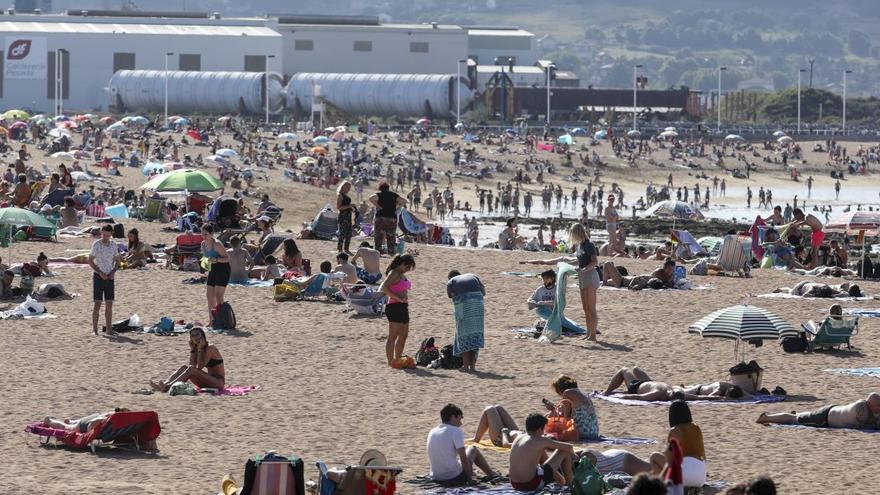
{"points": [[237, 390]]}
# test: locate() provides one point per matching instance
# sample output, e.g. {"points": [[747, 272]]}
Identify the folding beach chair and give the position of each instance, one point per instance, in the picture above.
{"points": [[189, 249], [273, 474], [359, 480], [122, 429], [153, 209], [364, 300], [735, 255], [834, 331]]}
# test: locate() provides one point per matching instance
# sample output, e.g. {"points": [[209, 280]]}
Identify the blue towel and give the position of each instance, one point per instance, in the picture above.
{"points": [[252, 282], [469, 319], [875, 372], [568, 326], [553, 328]]}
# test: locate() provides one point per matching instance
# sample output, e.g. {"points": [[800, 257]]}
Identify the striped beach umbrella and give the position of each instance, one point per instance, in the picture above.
{"points": [[854, 221], [743, 322], [674, 209]]}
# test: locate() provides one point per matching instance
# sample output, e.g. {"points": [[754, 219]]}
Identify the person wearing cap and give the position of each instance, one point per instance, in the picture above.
{"points": [[611, 220], [386, 203]]}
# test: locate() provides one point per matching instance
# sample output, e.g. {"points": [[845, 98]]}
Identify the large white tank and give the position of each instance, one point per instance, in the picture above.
{"points": [[401, 95], [196, 92]]}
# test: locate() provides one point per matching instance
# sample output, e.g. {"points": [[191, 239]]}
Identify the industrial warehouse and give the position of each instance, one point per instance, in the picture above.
{"points": [[103, 61]]}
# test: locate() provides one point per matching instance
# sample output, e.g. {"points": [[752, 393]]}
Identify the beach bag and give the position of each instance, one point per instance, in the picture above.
{"points": [[427, 352], [797, 344], [273, 474], [562, 429], [586, 480], [285, 292], [223, 317], [449, 361]]}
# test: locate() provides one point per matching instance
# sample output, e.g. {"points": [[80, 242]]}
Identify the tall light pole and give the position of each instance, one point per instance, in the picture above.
{"points": [[720, 70], [811, 61], [549, 68], [845, 72], [458, 92], [800, 72], [635, 95], [167, 54], [266, 88]]}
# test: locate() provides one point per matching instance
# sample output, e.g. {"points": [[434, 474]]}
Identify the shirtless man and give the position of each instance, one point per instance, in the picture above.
{"points": [[817, 235], [350, 271], [370, 273], [611, 219], [240, 262], [80, 425], [818, 289], [530, 466], [863, 414], [639, 386], [69, 216], [612, 277]]}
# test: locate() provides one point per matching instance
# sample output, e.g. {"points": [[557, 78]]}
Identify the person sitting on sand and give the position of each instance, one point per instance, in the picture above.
{"points": [[202, 356], [69, 214], [863, 414], [451, 462], [499, 424], [138, 253], [665, 275], [531, 468], [7, 291], [575, 404], [273, 270], [509, 238], [319, 283], [781, 249], [690, 440], [350, 271], [640, 386], [371, 272], [291, 257], [83, 424], [544, 299], [663, 252], [240, 262], [818, 289]]}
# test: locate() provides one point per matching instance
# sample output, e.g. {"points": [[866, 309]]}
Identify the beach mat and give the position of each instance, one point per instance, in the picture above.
{"points": [[254, 283], [234, 390], [782, 295], [875, 372], [43, 316], [755, 399], [838, 430], [520, 274], [487, 444], [864, 313]]}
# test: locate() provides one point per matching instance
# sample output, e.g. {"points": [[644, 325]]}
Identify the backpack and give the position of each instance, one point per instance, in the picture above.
{"points": [[586, 480], [273, 474], [427, 353], [224, 317], [449, 361], [797, 344]]}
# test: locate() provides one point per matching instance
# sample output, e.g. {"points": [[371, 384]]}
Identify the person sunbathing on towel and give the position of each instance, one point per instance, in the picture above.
{"points": [[79, 259], [202, 356], [827, 271], [664, 275], [863, 414], [817, 289], [640, 386], [81, 425], [500, 426]]}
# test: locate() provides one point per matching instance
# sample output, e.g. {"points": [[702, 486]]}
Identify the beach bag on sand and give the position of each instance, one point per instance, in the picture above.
{"points": [[797, 344], [562, 429], [273, 474], [223, 317], [449, 361], [586, 480], [427, 352]]}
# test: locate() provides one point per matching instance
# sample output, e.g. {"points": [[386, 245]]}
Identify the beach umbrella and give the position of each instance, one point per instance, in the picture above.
{"points": [[226, 153], [319, 150], [853, 221], [321, 139], [423, 121], [733, 137], [18, 125], [37, 117], [80, 118], [287, 135], [184, 180], [118, 126], [194, 134], [15, 115], [565, 139], [107, 120], [181, 121], [778, 134], [60, 118], [306, 160], [217, 158], [743, 322], [784, 140], [668, 134], [578, 131], [66, 124], [674, 209], [600, 134], [20, 217], [174, 118], [152, 167], [634, 134], [668, 129], [224, 118]]}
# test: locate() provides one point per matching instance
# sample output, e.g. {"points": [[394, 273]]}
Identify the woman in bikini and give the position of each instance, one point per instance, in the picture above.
{"points": [[220, 271], [396, 287], [202, 356], [137, 251]]}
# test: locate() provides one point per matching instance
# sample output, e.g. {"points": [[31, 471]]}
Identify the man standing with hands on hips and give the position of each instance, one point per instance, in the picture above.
{"points": [[104, 260]]}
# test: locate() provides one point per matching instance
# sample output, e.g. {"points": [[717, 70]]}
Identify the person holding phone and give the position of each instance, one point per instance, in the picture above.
{"points": [[202, 356]]}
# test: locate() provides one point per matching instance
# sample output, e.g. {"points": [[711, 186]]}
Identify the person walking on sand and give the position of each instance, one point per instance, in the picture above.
{"points": [[396, 287], [611, 219], [467, 292], [104, 260]]}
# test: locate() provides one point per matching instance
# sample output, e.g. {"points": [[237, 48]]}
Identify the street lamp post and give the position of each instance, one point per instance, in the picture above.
{"points": [[800, 72], [635, 95], [167, 54], [549, 68], [266, 88], [458, 92], [812, 61], [720, 70], [844, 99]]}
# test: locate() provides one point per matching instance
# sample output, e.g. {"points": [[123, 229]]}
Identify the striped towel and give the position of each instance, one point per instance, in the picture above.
{"points": [[469, 320]]}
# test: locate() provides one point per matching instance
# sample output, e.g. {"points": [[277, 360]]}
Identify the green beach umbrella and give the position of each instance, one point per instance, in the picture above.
{"points": [[15, 115], [184, 180], [19, 217]]}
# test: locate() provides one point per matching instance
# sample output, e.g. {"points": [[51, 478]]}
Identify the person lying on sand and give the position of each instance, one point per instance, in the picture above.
{"points": [[640, 386], [79, 259], [617, 461], [500, 426], [612, 277], [863, 414], [537, 460], [817, 289], [83, 424], [202, 356], [827, 271]]}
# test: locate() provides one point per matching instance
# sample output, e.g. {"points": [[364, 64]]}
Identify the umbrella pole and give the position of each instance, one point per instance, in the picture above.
{"points": [[863, 234]]}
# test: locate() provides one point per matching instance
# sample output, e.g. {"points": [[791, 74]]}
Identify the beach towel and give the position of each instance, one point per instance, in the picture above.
{"points": [[864, 313], [253, 282], [568, 326], [410, 224], [553, 328], [757, 237], [841, 430], [520, 274], [235, 390], [755, 399], [783, 295], [469, 323], [875, 372]]}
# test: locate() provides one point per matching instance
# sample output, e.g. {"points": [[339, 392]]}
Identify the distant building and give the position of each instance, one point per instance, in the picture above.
{"points": [[488, 43]]}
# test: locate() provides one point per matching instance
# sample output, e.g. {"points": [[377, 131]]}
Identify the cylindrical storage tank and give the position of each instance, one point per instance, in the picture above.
{"points": [[196, 92], [381, 95]]}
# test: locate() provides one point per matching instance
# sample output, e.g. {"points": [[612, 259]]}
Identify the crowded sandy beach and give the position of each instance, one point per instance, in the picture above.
{"points": [[325, 356]]}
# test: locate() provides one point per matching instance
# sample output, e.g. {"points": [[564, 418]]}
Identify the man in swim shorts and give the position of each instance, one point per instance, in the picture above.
{"points": [[817, 236], [640, 386], [863, 414], [530, 467]]}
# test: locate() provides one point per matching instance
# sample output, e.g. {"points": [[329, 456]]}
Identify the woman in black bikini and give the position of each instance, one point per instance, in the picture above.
{"points": [[201, 356]]}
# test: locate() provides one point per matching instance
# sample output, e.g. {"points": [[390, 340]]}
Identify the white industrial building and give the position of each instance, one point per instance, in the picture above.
{"points": [[502, 45], [91, 49]]}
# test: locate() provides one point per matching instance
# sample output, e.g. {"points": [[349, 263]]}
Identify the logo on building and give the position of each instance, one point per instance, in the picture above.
{"points": [[19, 49]]}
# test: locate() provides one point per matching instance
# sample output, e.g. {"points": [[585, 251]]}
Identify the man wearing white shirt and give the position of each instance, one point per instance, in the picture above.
{"points": [[104, 260], [452, 463]]}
